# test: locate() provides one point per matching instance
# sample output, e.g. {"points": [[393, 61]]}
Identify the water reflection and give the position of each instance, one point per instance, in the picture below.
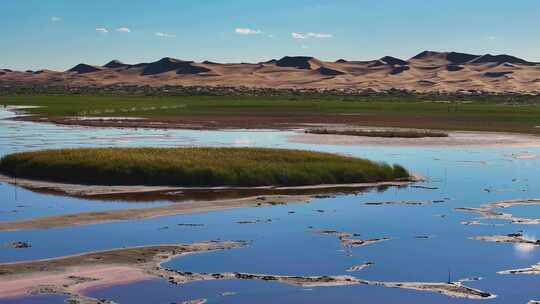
{"points": [[458, 176]]}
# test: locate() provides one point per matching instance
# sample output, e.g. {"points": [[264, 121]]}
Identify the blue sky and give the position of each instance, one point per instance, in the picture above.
{"points": [[58, 34]]}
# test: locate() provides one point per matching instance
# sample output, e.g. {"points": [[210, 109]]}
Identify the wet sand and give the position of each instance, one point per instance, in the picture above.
{"points": [[80, 190], [189, 206], [515, 238], [534, 269], [346, 240], [486, 211], [454, 139], [72, 275], [87, 218]]}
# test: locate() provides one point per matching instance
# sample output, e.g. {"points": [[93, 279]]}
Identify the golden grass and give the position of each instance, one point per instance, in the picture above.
{"points": [[196, 167]]}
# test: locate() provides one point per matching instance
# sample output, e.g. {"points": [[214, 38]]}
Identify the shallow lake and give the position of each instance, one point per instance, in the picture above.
{"points": [[463, 177]]}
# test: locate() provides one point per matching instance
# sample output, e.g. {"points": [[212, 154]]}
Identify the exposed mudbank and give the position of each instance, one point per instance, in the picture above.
{"points": [[359, 267], [357, 243], [87, 218], [385, 133], [516, 238], [89, 191], [414, 203], [196, 301], [534, 269], [486, 211], [452, 289], [454, 139], [479, 223], [190, 206], [346, 240], [522, 155], [72, 275]]}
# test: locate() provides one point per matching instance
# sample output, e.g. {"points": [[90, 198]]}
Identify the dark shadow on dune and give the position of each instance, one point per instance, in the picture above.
{"points": [[170, 64], [460, 58], [83, 68], [329, 72], [399, 69], [454, 68], [499, 59], [299, 62], [497, 74], [115, 64], [393, 60]]}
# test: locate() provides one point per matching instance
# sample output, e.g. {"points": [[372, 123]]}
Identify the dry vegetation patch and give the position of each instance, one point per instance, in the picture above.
{"points": [[200, 167], [387, 133]]}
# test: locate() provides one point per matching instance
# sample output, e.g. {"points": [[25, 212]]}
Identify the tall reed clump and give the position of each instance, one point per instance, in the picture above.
{"points": [[196, 167]]}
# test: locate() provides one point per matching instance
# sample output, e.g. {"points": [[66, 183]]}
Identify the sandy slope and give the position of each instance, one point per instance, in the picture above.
{"points": [[425, 72]]}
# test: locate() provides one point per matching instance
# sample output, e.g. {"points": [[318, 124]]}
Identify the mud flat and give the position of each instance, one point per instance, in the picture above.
{"points": [[534, 269], [486, 211], [358, 243], [346, 240], [359, 267], [522, 155], [87, 218], [73, 275], [89, 191], [452, 289], [454, 139], [515, 238], [378, 132], [196, 301], [411, 203]]}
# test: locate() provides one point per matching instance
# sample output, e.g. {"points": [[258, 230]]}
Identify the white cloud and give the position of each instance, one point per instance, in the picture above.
{"points": [[163, 35], [296, 35], [102, 30], [319, 35], [491, 38], [55, 19], [246, 31], [123, 30]]}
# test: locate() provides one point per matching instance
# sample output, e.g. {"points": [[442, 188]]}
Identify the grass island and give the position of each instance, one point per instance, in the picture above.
{"points": [[197, 167]]}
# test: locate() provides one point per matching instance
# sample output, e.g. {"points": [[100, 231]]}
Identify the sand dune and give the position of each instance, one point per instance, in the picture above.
{"points": [[82, 68], [428, 71]]}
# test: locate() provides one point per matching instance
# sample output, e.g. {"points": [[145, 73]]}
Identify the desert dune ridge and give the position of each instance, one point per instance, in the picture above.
{"points": [[429, 71]]}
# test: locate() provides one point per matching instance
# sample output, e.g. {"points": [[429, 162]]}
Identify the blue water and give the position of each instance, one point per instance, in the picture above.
{"points": [[286, 245]]}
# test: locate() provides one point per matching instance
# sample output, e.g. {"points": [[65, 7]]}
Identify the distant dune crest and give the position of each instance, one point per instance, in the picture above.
{"points": [[428, 71]]}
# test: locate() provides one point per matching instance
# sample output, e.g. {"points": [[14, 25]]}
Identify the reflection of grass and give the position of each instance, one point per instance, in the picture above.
{"points": [[380, 133], [196, 167], [488, 113]]}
